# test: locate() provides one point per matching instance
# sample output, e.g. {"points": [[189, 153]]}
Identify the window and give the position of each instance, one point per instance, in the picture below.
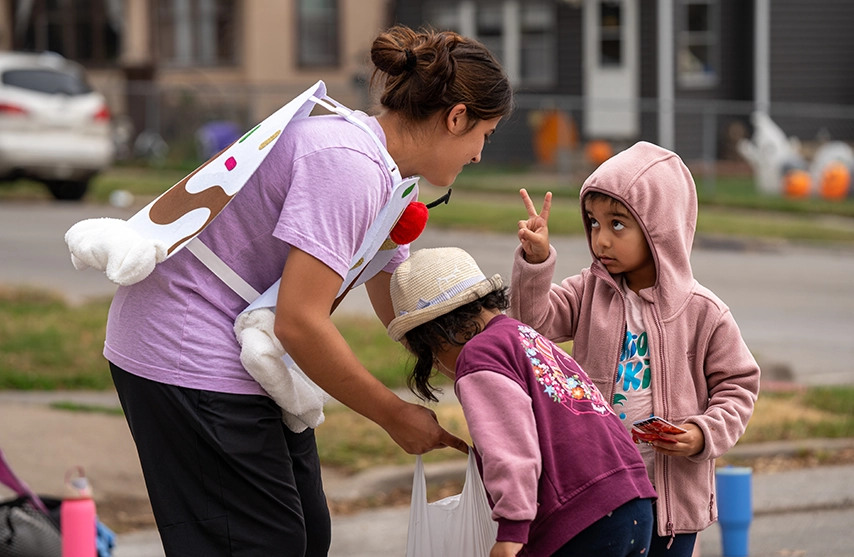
{"points": [[197, 32], [697, 47], [538, 63], [610, 34], [490, 29], [88, 31], [443, 16], [317, 25], [520, 34]]}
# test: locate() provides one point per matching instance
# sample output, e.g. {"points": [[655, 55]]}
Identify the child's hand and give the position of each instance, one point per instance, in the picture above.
{"points": [[683, 444], [534, 232], [505, 549]]}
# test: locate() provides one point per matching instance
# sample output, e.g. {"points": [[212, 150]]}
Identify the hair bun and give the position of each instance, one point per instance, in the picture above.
{"points": [[427, 72]]}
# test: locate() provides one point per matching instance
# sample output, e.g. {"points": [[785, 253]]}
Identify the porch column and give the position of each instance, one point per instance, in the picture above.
{"points": [[512, 41], [762, 56], [6, 19], [136, 35], [666, 121]]}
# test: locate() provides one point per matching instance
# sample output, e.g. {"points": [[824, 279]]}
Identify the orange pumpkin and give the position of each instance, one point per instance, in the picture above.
{"points": [[598, 151], [835, 181], [796, 184]]}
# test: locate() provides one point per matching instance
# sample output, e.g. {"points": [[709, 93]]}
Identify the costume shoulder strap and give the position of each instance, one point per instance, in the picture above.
{"points": [[127, 251]]}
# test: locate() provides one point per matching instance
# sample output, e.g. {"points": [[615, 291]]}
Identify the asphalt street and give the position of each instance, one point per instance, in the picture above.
{"points": [[794, 304]]}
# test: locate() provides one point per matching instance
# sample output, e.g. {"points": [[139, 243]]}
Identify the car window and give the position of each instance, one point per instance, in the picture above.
{"points": [[46, 81]]}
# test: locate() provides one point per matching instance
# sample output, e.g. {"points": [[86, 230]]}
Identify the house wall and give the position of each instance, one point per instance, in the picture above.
{"points": [[569, 45], [146, 93], [513, 141], [6, 16], [735, 81], [649, 67], [811, 46], [268, 55]]}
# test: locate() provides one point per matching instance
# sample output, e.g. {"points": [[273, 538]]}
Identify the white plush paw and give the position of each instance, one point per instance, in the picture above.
{"points": [[112, 246]]}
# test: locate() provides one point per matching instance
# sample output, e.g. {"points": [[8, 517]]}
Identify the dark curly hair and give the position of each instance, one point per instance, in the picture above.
{"points": [[454, 328]]}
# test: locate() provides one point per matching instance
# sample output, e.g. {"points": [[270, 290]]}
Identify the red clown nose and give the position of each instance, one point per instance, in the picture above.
{"points": [[411, 224]]}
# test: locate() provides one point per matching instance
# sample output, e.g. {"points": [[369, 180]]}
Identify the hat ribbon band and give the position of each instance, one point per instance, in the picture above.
{"points": [[450, 293]]}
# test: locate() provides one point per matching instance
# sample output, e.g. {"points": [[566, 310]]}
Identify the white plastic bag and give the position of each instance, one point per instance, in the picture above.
{"points": [[455, 526]]}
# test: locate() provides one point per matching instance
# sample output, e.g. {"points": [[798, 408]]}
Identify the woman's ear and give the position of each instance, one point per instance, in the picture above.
{"points": [[457, 119]]}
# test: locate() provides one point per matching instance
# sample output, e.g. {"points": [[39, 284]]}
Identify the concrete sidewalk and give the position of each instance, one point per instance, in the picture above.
{"points": [[806, 512]]}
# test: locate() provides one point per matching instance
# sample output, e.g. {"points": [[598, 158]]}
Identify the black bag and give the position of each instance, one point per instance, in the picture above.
{"points": [[26, 531], [29, 524]]}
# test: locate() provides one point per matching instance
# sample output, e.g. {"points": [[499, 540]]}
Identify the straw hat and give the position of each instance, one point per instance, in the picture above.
{"points": [[433, 282]]}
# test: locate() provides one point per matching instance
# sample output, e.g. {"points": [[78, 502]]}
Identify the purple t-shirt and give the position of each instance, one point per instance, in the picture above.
{"points": [[319, 189]]}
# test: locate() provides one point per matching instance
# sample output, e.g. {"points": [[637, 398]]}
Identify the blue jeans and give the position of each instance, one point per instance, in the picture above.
{"points": [[682, 546], [623, 533]]}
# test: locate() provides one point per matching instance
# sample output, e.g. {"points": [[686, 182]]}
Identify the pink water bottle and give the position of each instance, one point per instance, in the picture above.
{"points": [[77, 517]]}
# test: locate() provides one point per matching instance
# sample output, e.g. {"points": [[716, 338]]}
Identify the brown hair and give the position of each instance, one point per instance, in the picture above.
{"points": [[428, 72]]}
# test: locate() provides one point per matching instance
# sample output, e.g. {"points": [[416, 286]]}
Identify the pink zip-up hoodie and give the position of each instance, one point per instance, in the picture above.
{"points": [[702, 371]]}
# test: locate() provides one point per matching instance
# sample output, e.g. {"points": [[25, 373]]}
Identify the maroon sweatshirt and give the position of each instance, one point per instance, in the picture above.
{"points": [[553, 455]]}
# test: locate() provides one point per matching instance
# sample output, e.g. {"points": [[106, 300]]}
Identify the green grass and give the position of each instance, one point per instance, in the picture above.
{"points": [[47, 344], [352, 443], [835, 399], [815, 412], [385, 358], [486, 198], [740, 192], [142, 182]]}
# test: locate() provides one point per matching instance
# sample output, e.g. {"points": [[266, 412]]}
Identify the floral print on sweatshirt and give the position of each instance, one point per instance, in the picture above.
{"points": [[560, 376]]}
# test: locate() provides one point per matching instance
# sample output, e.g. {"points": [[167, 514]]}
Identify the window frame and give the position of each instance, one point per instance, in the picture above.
{"points": [[710, 39], [61, 28], [167, 25], [334, 33], [468, 21]]}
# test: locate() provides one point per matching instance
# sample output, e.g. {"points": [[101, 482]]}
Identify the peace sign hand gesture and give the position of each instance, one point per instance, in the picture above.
{"points": [[534, 232]]}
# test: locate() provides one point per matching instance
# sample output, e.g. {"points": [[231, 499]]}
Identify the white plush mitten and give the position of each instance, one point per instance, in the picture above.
{"points": [[265, 359], [112, 246]]}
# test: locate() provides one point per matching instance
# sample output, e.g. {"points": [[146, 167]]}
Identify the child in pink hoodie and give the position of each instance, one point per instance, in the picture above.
{"points": [[653, 339]]}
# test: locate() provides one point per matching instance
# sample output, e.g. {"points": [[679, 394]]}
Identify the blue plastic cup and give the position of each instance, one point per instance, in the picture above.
{"points": [[735, 509]]}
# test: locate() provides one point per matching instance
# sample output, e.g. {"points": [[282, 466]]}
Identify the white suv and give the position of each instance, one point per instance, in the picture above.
{"points": [[53, 127]]}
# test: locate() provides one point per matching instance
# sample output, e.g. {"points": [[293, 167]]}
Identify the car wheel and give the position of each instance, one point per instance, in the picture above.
{"points": [[68, 190]]}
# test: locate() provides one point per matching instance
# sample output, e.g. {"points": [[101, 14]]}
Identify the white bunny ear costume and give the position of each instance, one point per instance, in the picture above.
{"points": [[128, 251]]}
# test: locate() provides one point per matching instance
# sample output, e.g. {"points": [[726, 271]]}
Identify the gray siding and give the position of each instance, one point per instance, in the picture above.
{"points": [[811, 41], [735, 82], [648, 67], [811, 48]]}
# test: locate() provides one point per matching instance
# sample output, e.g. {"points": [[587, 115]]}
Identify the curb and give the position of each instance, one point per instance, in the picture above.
{"points": [[385, 480]]}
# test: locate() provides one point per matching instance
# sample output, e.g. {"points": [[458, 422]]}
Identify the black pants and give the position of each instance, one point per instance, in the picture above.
{"points": [[225, 476]]}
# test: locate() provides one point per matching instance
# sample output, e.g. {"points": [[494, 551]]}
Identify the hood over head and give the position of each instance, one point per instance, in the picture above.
{"points": [[657, 187]]}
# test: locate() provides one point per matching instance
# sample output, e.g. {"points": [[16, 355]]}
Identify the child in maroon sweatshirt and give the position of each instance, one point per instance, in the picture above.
{"points": [[562, 476]]}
